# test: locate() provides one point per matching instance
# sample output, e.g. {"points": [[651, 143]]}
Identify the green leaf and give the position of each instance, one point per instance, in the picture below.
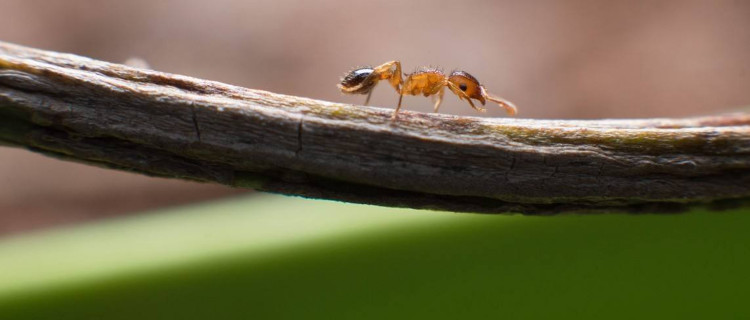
{"points": [[290, 258]]}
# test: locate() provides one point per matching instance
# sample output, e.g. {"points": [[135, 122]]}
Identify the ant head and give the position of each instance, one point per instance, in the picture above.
{"points": [[468, 84], [358, 81]]}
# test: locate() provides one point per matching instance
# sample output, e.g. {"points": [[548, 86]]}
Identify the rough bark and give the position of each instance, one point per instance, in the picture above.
{"points": [[169, 125]]}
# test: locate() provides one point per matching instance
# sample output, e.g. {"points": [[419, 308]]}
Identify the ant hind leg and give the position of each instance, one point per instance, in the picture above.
{"points": [[395, 112], [367, 100], [391, 71]]}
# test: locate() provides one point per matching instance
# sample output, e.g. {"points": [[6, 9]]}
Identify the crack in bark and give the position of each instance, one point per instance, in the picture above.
{"points": [[510, 169], [299, 136], [195, 124]]}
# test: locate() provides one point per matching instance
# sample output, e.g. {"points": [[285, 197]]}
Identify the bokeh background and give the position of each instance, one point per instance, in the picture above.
{"points": [[82, 242], [554, 59]]}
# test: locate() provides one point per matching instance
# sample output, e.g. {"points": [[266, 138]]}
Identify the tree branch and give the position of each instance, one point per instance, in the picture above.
{"points": [[175, 126]]}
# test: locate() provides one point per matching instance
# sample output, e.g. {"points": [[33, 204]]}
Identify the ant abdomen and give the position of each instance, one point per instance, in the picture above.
{"points": [[358, 81]]}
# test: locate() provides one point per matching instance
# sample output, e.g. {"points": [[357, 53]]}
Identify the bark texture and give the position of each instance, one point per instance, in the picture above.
{"points": [[169, 125]]}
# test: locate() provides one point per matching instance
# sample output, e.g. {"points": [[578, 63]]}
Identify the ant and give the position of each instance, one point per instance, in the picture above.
{"points": [[426, 80]]}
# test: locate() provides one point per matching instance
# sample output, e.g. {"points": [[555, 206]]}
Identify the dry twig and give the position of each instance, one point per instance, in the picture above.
{"points": [[175, 126]]}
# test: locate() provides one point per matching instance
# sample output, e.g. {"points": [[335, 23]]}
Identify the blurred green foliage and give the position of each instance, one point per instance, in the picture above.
{"points": [[272, 257]]}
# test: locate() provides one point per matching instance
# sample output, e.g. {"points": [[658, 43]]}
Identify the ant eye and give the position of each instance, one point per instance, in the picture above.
{"points": [[462, 87]]}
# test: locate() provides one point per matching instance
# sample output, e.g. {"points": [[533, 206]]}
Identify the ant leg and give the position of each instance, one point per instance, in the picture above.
{"points": [[395, 113], [386, 71], [367, 101], [396, 78], [475, 107], [462, 95], [439, 98]]}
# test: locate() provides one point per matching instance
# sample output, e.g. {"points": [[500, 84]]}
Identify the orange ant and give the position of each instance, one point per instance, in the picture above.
{"points": [[426, 81]]}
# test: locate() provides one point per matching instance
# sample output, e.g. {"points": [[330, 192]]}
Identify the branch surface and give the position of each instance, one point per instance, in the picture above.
{"points": [[175, 126]]}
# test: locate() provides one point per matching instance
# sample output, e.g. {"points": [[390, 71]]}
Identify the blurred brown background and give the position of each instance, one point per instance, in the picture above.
{"points": [[554, 59]]}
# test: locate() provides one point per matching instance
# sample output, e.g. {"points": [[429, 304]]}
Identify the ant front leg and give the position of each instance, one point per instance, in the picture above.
{"points": [[462, 95], [473, 106], [439, 98]]}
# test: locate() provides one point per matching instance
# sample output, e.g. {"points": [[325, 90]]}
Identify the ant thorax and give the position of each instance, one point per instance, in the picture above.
{"points": [[426, 81]]}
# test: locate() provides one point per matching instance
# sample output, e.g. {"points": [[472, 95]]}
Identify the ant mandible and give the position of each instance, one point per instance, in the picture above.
{"points": [[426, 81]]}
